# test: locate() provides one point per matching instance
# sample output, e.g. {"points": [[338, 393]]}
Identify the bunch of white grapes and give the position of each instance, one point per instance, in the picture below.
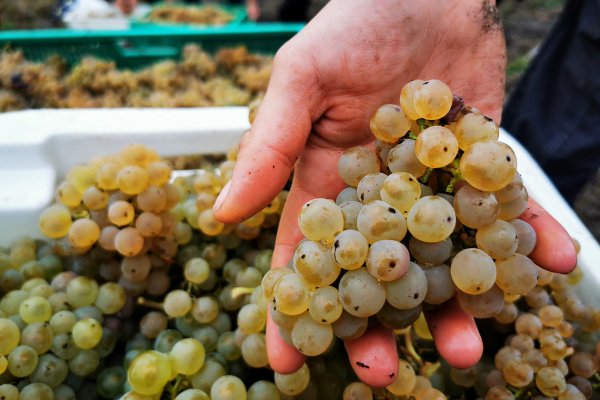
{"points": [[432, 217]]}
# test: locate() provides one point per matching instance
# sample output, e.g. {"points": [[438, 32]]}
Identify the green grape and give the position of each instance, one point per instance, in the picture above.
{"points": [[583, 364], [440, 286], [347, 194], [514, 208], [350, 249], [208, 374], [192, 394], [82, 291], [83, 233], [228, 387], [517, 372], [263, 390], [36, 391], [321, 220], [488, 166], [405, 380], [394, 318], [39, 336], [350, 209], [315, 262], [196, 270], [516, 274], [526, 235], [369, 186], [107, 343], [485, 305], [292, 294], [389, 123], [111, 298], [87, 333], [436, 147], [550, 381], [378, 221], [64, 346], [251, 318], [407, 96], [149, 372], [498, 239], [355, 163], [387, 260], [357, 391], [325, 306], [475, 208], [52, 265], [249, 277], [430, 253], [361, 294], [153, 199], [409, 291], [187, 356], [205, 309], [9, 392], [89, 312], [432, 99], [232, 268], [401, 190], [111, 381], [270, 280], [11, 302], [84, 363], [473, 271], [59, 302], [22, 361], [254, 350], [228, 347], [150, 224], [63, 321], [165, 341], [50, 370], [402, 158], [55, 221], [10, 336], [431, 219], [294, 383], [208, 224], [132, 179], [263, 260], [474, 127], [511, 191], [153, 323], [121, 213], [310, 337], [129, 242], [571, 392], [177, 303], [136, 268]]}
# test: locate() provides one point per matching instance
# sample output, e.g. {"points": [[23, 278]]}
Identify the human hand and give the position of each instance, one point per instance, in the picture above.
{"points": [[253, 9], [326, 83], [126, 6]]}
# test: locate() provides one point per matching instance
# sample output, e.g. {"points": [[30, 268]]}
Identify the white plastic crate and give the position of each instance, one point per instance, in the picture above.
{"points": [[37, 147]]}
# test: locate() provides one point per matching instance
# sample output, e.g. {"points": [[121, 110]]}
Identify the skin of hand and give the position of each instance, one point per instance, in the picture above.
{"points": [[126, 6], [253, 9], [326, 83]]}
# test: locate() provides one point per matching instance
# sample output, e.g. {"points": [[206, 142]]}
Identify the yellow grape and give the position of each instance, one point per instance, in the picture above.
{"points": [[436, 147], [488, 166], [132, 180], [84, 232], [389, 123], [407, 99], [55, 221], [149, 372], [87, 333], [432, 99]]}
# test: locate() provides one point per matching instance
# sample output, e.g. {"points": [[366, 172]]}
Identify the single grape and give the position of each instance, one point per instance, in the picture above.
{"points": [[315, 262], [263, 390], [407, 96], [149, 372], [228, 387], [516, 274], [321, 220], [121, 213], [350, 249], [474, 127], [432, 99], [292, 294], [402, 158], [129, 242], [473, 271], [348, 326], [361, 294], [177, 303], [401, 190], [355, 163], [378, 221], [187, 356], [394, 318], [347, 194], [488, 166], [475, 208], [205, 309], [440, 286], [294, 383], [10, 336], [387, 260], [251, 318], [436, 147], [325, 306], [550, 381], [484, 305], [350, 210], [409, 291], [498, 239], [55, 221], [431, 219], [22, 361], [310, 337], [526, 236], [35, 309], [369, 186], [389, 123], [405, 380]]}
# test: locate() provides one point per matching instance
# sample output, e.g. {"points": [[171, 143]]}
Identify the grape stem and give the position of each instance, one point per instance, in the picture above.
{"points": [[424, 123], [411, 135], [454, 170], [150, 303], [174, 388], [426, 175], [425, 368], [240, 291]]}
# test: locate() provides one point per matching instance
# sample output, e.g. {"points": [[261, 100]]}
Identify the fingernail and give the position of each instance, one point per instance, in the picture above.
{"points": [[222, 196]]}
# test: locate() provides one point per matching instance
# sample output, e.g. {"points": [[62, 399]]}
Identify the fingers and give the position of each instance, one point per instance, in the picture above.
{"points": [[455, 334], [282, 357], [554, 249], [374, 356], [275, 141]]}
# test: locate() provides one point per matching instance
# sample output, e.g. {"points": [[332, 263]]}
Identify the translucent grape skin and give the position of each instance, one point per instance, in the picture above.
{"points": [[431, 219], [488, 166], [430, 253], [526, 236], [474, 127], [361, 294], [436, 147], [401, 190], [369, 186], [485, 305], [292, 295], [387, 260], [228, 387], [320, 220], [294, 383], [389, 123], [516, 274], [410, 290], [407, 95], [149, 372], [348, 326], [311, 337], [378, 221], [315, 262], [498, 239], [473, 271], [475, 208], [440, 286], [394, 318], [55, 221], [402, 158], [350, 249], [432, 99], [325, 305], [355, 163]]}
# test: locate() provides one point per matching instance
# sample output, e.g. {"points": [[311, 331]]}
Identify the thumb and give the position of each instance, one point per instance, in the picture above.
{"points": [[275, 141]]}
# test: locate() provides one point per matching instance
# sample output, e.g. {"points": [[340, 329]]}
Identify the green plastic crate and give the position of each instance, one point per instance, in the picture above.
{"points": [[139, 47], [239, 15]]}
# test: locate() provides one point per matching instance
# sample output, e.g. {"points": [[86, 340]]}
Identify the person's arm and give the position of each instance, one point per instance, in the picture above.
{"points": [[326, 83]]}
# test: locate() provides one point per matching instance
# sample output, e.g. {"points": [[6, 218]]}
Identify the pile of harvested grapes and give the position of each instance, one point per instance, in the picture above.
{"points": [[231, 77], [140, 293], [176, 14]]}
